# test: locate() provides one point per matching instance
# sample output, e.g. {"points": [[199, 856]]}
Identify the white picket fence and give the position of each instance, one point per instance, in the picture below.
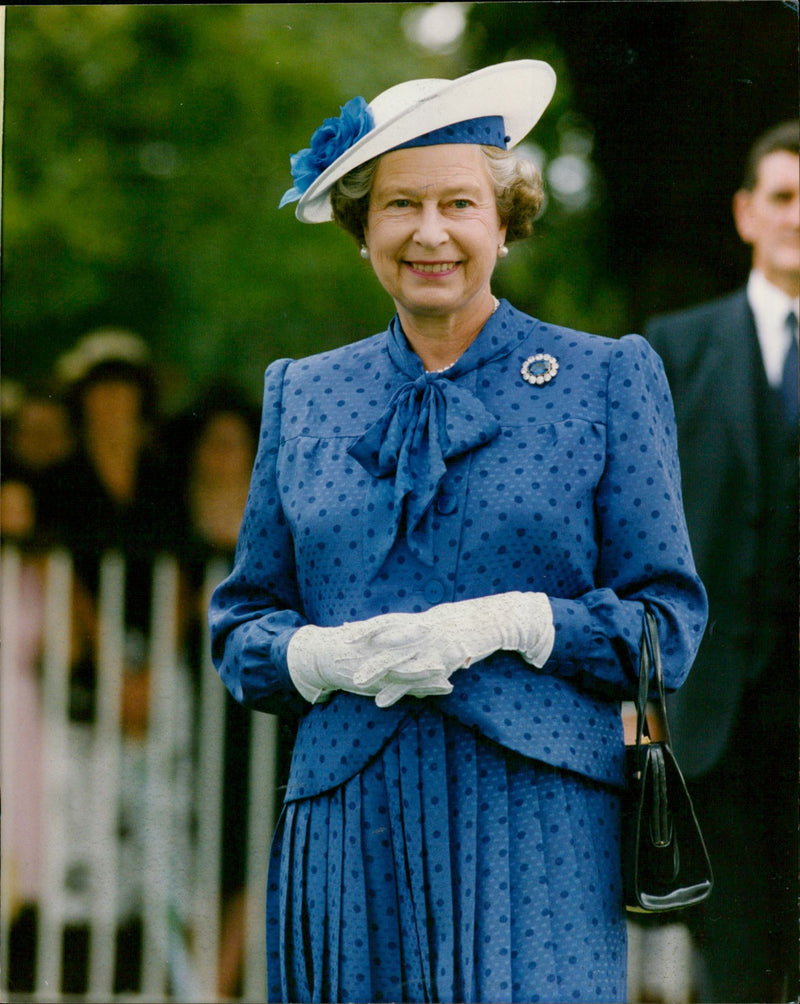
{"points": [[63, 785]]}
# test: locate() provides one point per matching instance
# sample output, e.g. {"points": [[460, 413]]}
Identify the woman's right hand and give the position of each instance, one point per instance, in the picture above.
{"points": [[322, 660]]}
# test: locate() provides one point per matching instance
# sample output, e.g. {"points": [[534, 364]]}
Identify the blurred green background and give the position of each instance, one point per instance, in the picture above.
{"points": [[146, 148]]}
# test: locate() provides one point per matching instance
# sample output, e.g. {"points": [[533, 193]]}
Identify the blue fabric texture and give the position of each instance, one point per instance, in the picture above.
{"points": [[427, 422], [378, 488], [411, 860], [488, 130]]}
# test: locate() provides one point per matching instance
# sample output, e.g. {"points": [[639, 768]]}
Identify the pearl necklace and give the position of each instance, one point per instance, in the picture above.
{"points": [[444, 369]]}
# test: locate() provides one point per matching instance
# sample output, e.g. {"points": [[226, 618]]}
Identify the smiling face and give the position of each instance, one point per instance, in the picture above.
{"points": [[433, 231]]}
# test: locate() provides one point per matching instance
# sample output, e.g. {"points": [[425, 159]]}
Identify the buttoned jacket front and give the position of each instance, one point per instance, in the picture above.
{"points": [[378, 487]]}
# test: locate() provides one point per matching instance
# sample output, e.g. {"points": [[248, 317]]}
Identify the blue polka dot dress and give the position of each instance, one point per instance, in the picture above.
{"points": [[450, 870], [459, 848]]}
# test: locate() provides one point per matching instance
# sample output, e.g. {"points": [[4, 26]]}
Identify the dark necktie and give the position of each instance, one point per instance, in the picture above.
{"points": [[789, 383]]}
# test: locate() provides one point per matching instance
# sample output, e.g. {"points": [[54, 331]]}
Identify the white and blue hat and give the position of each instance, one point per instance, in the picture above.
{"points": [[496, 106]]}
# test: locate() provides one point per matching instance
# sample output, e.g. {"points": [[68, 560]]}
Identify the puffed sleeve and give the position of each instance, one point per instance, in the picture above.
{"points": [[254, 612], [644, 551]]}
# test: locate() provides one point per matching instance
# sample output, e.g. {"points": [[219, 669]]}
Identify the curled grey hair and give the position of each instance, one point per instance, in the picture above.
{"points": [[518, 189]]}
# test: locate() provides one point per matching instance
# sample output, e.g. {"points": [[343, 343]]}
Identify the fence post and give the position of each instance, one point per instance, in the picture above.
{"points": [[9, 657], [106, 763], [170, 970], [261, 824], [210, 767], [158, 927], [55, 710]]}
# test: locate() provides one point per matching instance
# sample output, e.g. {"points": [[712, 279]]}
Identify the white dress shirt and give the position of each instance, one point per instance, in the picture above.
{"points": [[770, 307]]}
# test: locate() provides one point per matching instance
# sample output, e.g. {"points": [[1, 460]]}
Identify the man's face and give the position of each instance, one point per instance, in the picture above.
{"points": [[768, 218]]}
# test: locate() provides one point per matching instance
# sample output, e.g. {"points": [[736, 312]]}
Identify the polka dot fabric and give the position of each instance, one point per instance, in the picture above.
{"points": [[448, 870], [378, 487], [488, 129]]}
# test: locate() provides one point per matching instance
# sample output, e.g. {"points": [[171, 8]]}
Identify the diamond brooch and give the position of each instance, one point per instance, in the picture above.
{"points": [[539, 369]]}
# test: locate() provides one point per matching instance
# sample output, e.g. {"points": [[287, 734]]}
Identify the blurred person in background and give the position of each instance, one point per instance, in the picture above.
{"points": [[453, 529], [39, 432], [732, 368], [17, 506], [117, 492], [22, 818], [37, 435], [213, 444]]}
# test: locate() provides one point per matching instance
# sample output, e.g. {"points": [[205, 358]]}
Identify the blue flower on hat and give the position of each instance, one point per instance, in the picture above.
{"points": [[329, 142]]}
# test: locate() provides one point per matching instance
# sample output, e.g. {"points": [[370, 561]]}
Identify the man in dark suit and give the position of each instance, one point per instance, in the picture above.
{"points": [[734, 723]]}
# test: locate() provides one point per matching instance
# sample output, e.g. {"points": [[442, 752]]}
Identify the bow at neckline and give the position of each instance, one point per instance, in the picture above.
{"points": [[429, 420]]}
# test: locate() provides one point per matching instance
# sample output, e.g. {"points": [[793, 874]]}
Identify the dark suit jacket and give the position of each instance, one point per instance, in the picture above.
{"points": [[714, 366]]}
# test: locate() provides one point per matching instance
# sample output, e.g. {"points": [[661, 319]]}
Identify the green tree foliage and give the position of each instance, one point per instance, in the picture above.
{"points": [[146, 150]]}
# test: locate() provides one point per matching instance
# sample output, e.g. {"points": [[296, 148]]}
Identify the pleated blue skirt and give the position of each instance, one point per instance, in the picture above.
{"points": [[448, 869]]}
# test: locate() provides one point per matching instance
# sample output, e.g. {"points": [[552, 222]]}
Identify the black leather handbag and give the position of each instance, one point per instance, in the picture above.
{"points": [[665, 863]]}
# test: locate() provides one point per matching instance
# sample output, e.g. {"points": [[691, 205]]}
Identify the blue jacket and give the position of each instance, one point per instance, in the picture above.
{"points": [[378, 487]]}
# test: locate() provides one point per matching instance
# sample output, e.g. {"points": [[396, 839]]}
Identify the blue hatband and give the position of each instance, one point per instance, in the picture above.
{"points": [[489, 130]]}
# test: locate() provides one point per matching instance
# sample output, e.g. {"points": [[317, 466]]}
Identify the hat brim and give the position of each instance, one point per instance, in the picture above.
{"points": [[519, 90]]}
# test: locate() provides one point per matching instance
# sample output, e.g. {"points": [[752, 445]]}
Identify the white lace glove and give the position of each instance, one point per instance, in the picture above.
{"points": [[453, 635], [322, 660]]}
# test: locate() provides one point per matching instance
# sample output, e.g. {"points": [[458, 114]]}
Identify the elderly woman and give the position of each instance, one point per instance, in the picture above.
{"points": [[452, 529]]}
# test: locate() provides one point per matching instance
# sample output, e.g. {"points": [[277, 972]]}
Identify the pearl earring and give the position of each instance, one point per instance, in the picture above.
{"points": [[502, 251], [364, 252]]}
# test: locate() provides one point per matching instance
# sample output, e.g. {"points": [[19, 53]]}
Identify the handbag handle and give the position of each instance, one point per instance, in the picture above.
{"points": [[650, 660]]}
